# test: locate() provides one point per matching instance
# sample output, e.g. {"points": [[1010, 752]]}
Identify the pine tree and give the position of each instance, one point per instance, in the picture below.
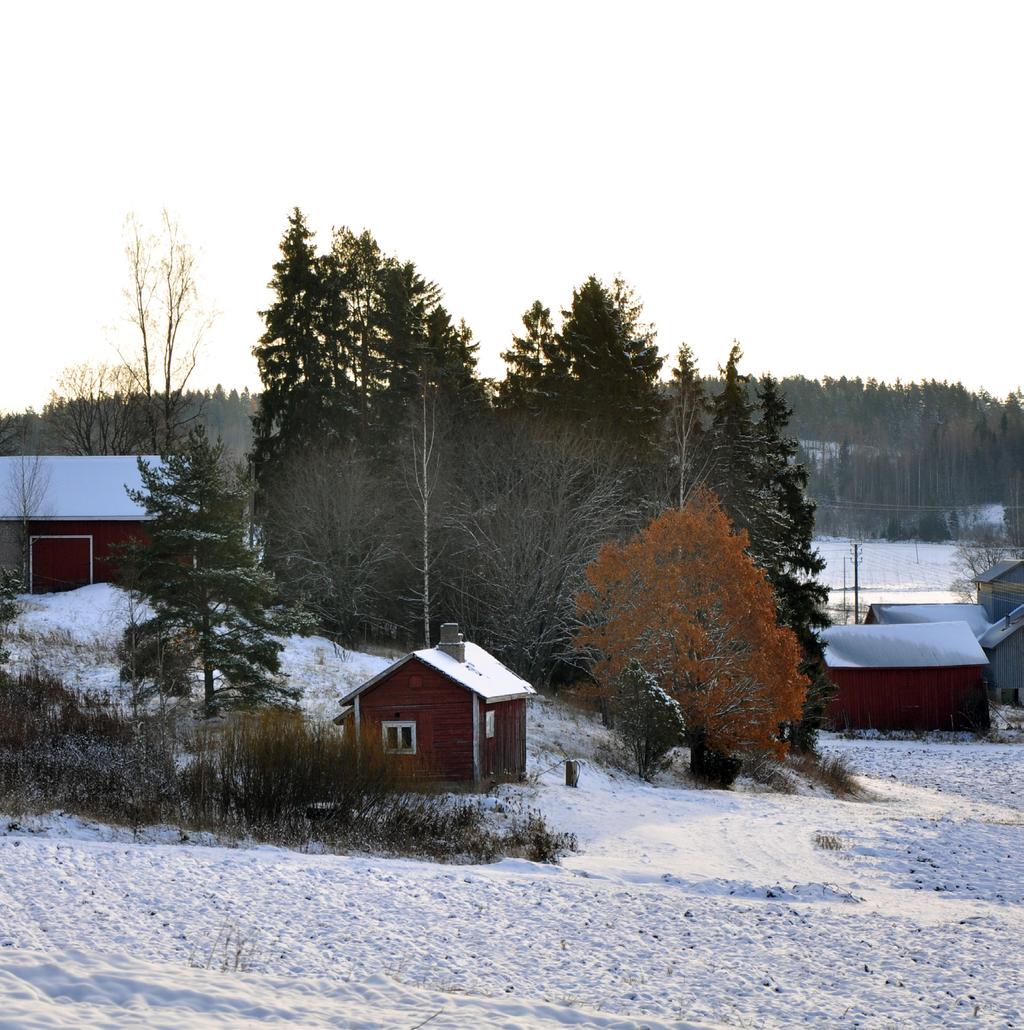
{"points": [[303, 357], [203, 582]]}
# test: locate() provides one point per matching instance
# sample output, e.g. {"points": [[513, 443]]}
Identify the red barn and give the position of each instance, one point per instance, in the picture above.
{"points": [[453, 708], [67, 515], [918, 676]]}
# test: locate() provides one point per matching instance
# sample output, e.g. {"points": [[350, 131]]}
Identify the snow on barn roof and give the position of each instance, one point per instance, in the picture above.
{"points": [[481, 672], [999, 569], [1002, 629], [909, 646], [901, 614], [71, 487]]}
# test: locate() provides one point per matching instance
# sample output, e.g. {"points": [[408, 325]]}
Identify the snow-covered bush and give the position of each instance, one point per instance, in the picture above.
{"points": [[647, 722], [10, 584]]}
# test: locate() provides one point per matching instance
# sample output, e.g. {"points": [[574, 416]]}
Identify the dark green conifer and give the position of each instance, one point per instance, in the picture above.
{"points": [[202, 579]]}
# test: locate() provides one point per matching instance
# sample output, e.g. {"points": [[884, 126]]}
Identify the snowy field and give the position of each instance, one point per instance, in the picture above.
{"points": [[682, 907], [896, 572]]}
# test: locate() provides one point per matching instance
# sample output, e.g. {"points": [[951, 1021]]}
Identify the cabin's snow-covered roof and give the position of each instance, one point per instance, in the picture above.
{"points": [[900, 614], [908, 646], [1002, 629], [481, 672], [71, 487], [999, 569]]}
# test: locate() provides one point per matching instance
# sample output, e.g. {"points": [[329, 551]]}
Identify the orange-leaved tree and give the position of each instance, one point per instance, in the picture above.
{"points": [[684, 599]]}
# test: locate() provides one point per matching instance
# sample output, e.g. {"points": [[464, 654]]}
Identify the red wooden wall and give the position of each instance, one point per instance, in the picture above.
{"points": [[443, 713], [441, 709], [504, 754], [951, 698], [63, 564]]}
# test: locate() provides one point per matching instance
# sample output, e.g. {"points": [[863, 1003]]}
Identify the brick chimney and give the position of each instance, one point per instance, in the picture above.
{"points": [[451, 641]]}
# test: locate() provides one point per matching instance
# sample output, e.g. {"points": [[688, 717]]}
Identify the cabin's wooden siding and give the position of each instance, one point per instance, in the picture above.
{"points": [[504, 754], [441, 709]]}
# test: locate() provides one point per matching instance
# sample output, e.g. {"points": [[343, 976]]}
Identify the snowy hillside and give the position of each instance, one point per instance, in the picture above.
{"points": [[74, 635], [682, 907]]}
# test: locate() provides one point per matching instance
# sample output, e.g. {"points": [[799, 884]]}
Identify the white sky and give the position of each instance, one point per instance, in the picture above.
{"points": [[838, 186]]}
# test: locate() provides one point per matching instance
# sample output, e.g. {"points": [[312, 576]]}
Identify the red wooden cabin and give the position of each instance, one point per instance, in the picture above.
{"points": [[72, 513], [906, 677], [454, 709]]}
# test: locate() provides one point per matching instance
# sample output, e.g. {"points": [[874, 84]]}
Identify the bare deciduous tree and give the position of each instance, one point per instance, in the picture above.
{"points": [[527, 522], [332, 540], [163, 306], [97, 409], [27, 487], [422, 477]]}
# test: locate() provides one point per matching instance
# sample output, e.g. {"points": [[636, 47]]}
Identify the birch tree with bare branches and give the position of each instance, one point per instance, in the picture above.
{"points": [[164, 309], [28, 485]]}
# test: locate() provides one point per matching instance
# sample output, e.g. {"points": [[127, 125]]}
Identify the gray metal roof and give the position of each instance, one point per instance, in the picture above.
{"points": [[998, 570]]}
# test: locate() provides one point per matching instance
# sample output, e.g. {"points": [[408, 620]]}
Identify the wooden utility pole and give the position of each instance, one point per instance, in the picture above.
{"points": [[856, 584]]}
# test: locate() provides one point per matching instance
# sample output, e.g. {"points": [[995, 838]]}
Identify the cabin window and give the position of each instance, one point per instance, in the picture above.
{"points": [[399, 737], [489, 724]]}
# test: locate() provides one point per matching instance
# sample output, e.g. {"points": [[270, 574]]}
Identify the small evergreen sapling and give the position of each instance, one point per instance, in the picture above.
{"points": [[203, 582], [648, 722], [10, 585]]}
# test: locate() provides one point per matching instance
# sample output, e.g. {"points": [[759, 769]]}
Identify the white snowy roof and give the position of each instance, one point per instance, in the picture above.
{"points": [[900, 614], [909, 646], [1002, 629], [481, 672], [71, 487]]}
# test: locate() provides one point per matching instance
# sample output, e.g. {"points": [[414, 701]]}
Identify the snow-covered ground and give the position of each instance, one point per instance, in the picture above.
{"points": [[681, 907], [890, 571], [74, 635]]}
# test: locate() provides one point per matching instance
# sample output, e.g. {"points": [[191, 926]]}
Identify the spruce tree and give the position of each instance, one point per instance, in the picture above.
{"points": [[786, 551], [303, 357], [735, 444], [535, 370], [203, 582], [611, 365]]}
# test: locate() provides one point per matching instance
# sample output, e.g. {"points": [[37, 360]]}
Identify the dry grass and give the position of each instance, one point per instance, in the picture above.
{"points": [[273, 777], [828, 842], [829, 771]]}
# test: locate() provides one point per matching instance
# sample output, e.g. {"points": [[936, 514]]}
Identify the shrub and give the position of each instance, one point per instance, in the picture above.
{"points": [[646, 720], [279, 769], [711, 766], [273, 776], [64, 749]]}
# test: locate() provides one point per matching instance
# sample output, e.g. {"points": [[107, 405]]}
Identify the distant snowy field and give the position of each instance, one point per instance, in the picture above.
{"points": [[893, 572], [683, 907]]}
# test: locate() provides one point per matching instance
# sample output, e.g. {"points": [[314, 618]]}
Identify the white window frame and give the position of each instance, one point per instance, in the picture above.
{"points": [[489, 724], [399, 725]]}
